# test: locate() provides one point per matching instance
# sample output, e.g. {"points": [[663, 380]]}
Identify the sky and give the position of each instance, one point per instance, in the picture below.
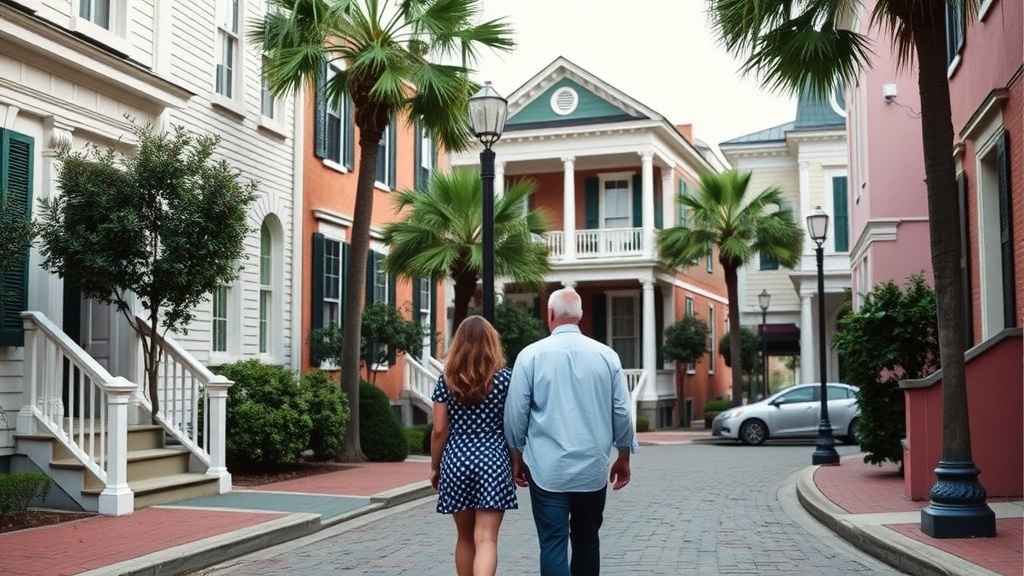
{"points": [[660, 52]]}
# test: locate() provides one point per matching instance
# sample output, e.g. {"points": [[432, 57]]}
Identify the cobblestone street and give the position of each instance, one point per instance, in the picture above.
{"points": [[693, 509]]}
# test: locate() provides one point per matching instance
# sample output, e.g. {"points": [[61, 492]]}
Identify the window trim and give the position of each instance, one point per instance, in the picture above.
{"points": [[389, 152], [634, 296], [712, 342], [601, 198], [689, 309], [235, 102], [115, 37]]}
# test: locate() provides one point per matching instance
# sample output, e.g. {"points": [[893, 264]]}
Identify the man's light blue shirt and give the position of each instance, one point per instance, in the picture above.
{"points": [[567, 407]]}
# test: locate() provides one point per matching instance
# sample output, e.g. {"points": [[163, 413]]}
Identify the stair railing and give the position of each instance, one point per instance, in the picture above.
{"points": [[420, 379], [72, 397], [636, 379], [192, 402]]}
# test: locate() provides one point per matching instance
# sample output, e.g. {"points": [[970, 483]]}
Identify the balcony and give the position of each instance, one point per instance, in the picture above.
{"points": [[597, 243]]}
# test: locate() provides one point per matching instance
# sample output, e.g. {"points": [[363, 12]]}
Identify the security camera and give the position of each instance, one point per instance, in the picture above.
{"points": [[889, 92]]}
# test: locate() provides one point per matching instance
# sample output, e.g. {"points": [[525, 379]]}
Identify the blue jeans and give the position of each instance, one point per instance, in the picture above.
{"points": [[564, 517]]}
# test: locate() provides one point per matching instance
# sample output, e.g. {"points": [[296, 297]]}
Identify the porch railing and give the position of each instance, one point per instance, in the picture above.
{"points": [[73, 398], [598, 243], [420, 379], [192, 402], [636, 380]]}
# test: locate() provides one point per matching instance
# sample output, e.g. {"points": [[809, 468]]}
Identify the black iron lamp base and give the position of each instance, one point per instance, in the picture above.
{"points": [[957, 508], [825, 448]]}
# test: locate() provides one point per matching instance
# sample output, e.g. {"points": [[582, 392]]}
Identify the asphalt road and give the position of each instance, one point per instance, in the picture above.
{"points": [[692, 509]]}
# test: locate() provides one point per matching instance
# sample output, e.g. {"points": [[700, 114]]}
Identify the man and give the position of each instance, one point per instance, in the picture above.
{"points": [[567, 406]]}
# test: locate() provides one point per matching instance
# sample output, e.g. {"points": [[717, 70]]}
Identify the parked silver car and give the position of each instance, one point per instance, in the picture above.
{"points": [[791, 413]]}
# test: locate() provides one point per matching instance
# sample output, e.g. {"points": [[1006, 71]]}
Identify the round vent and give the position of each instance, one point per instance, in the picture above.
{"points": [[564, 101]]}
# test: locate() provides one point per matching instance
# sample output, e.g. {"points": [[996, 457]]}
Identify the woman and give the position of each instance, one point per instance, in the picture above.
{"points": [[469, 459]]}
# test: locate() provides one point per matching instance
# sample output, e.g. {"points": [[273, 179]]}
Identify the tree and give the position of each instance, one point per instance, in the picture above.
{"points": [[723, 213], [749, 351], [517, 328], [165, 223], [891, 338], [386, 46], [384, 332], [441, 235], [793, 45], [686, 341]]}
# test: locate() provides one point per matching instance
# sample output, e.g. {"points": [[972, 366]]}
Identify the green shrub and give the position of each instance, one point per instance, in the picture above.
{"points": [[268, 423], [327, 407], [717, 405], [380, 432], [893, 336], [19, 489], [415, 436], [426, 437], [517, 327], [643, 423]]}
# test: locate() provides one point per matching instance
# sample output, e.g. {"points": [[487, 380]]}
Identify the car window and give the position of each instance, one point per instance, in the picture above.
{"points": [[839, 393], [797, 395]]}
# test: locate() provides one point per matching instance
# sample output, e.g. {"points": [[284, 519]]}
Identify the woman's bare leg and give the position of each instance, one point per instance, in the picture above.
{"points": [[465, 546], [485, 538]]}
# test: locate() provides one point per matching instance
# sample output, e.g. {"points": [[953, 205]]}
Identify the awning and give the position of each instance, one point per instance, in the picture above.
{"points": [[781, 339]]}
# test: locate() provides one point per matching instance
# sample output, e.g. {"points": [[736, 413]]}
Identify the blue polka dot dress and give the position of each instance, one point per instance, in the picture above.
{"points": [[476, 471]]}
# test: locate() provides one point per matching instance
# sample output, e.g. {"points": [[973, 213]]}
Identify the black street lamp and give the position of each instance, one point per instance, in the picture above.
{"points": [[763, 299], [824, 447], [487, 112]]}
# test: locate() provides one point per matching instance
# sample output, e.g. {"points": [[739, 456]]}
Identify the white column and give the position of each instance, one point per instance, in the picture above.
{"points": [[647, 200], [218, 394], [50, 287], [499, 179], [650, 355], [668, 198], [569, 207], [805, 209], [117, 498], [807, 355]]}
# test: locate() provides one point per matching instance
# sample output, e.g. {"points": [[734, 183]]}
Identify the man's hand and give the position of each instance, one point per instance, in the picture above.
{"points": [[620, 474], [520, 471]]}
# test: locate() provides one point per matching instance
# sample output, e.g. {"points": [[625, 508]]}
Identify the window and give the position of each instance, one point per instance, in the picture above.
{"points": [[424, 309], [386, 156], [330, 312], [996, 266], [684, 220], [954, 31], [688, 311], [380, 284], [767, 262], [219, 319], [617, 204], [380, 287], [16, 159], [626, 330], [710, 257], [840, 215], [804, 394], [711, 340], [227, 48], [266, 291], [338, 132], [95, 11], [839, 393], [426, 156], [268, 103]]}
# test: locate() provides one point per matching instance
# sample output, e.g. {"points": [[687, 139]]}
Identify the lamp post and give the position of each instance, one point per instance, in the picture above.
{"points": [[487, 112], [824, 446], [763, 299]]}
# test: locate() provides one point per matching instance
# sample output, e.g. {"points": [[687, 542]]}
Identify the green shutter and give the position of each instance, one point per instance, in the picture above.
{"points": [[659, 201], [841, 216], [343, 280], [599, 306], [433, 317], [371, 266], [392, 299], [392, 154], [638, 196], [320, 119], [349, 126], [317, 290], [417, 162], [592, 203], [1006, 230], [416, 303], [16, 159], [683, 222]]}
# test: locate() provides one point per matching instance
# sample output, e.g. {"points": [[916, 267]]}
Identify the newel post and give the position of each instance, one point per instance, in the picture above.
{"points": [[217, 393], [117, 498]]}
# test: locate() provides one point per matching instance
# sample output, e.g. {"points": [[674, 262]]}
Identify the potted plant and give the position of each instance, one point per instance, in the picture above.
{"points": [[713, 408]]}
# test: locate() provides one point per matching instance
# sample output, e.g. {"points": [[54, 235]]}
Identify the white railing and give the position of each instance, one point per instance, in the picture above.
{"points": [[420, 379], [598, 243], [75, 399], [636, 379], [192, 402]]}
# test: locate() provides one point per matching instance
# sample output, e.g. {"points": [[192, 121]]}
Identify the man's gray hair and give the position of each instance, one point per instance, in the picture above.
{"points": [[566, 303]]}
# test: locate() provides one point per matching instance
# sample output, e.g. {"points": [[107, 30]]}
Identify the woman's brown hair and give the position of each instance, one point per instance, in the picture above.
{"points": [[474, 357]]}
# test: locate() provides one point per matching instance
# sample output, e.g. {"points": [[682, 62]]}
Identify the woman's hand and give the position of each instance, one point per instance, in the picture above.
{"points": [[435, 476]]}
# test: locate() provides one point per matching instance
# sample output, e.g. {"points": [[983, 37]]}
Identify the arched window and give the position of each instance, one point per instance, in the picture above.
{"points": [[266, 288]]}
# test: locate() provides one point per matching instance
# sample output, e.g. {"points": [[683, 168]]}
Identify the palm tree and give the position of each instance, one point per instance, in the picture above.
{"points": [[795, 44], [441, 235], [722, 213], [386, 46]]}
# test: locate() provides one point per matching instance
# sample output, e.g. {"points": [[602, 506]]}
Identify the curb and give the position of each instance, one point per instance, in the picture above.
{"points": [[889, 546], [214, 550], [404, 494]]}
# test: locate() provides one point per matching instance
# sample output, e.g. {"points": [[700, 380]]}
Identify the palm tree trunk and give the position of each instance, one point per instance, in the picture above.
{"points": [[465, 287], [355, 288], [957, 507], [735, 343]]}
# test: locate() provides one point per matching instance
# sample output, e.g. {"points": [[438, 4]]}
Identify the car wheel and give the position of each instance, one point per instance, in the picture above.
{"points": [[851, 434], [753, 432]]}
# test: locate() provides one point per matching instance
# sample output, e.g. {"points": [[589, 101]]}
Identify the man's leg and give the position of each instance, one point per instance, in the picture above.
{"points": [[585, 519], [551, 515]]}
